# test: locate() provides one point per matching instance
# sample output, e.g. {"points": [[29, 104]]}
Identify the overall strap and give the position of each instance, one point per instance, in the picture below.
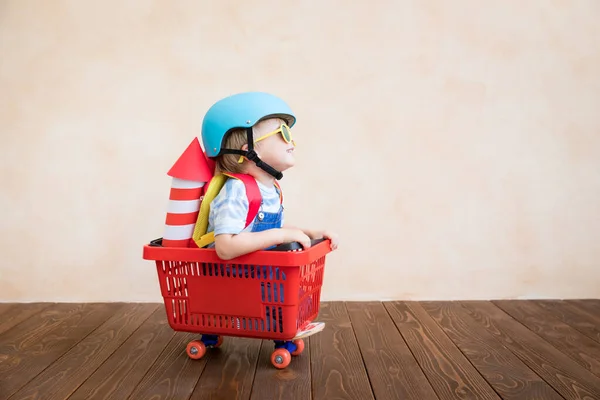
{"points": [[280, 192]]}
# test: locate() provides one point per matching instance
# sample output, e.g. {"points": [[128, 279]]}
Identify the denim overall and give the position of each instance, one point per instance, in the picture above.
{"points": [[262, 222], [265, 221]]}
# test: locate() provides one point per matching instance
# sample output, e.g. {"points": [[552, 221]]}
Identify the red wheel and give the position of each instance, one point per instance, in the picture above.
{"points": [[196, 349], [219, 341], [300, 347], [281, 358]]}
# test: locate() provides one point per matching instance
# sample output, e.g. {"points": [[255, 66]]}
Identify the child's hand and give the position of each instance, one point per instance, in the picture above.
{"points": [[296, 235], [326, 235], [335, 241]]}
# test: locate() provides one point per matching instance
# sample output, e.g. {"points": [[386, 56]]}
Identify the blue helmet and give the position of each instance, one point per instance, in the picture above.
{"points": [[242, 110]]}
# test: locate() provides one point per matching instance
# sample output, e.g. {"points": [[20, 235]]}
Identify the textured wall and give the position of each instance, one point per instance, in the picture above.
{"points": [[455, 146]]}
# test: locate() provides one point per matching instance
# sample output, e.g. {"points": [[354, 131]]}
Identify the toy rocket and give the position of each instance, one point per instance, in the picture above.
{"points": [[190, 173]]}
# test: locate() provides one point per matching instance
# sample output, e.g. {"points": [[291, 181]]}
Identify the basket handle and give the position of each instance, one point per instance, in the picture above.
{"points": [[293, 246]]}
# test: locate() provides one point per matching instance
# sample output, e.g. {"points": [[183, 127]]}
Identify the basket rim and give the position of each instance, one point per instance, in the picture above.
{"points": [[260, 257]]}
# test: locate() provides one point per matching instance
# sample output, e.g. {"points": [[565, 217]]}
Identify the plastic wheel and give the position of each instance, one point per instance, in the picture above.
{"points": [[300, 347], [281, 358], [219, 341], [196, 349]]}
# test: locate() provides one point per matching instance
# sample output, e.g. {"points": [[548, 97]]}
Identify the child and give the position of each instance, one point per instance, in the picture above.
{"points": [[249, 133]]}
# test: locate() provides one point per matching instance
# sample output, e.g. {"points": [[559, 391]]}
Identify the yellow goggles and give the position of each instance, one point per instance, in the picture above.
{"points": [[286, 135]]}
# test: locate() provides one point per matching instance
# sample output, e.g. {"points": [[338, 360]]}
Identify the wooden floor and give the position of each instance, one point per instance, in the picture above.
{"points": [[392, 350]]}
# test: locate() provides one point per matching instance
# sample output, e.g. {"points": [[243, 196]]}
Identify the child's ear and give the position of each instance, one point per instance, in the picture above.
{"points": [[245, 148]]}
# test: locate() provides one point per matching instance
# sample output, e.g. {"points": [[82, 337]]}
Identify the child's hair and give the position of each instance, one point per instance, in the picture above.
{"points": [[236, 139], [229, 162]]}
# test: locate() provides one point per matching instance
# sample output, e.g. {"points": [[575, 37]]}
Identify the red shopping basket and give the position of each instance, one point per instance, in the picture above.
{"points": [[264, 294]]}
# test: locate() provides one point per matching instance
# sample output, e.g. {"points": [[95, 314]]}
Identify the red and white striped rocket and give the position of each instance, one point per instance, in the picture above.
{"points": [[190, 173]]}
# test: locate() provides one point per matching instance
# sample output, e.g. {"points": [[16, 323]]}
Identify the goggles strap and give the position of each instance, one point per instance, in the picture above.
{"points": [[252, 156]]}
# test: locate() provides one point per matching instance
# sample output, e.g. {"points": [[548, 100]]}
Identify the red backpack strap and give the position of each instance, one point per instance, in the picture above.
{"points": [[252, 192]]}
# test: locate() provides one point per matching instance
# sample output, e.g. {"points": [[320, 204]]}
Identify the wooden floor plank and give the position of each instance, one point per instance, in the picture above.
{"points": [[338, 371], [126, 367], [393, 371], [567, 377], [449, 372], [507, 374], [578, 318], [65, 375], [17, 313], [229, 370], [5, 307], [592, 306], [293, 381], [173, 375], [579, 347], [38, 342]]}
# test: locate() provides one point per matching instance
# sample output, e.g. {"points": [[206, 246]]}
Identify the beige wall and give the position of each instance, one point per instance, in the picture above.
{"points": [[464, 138]]}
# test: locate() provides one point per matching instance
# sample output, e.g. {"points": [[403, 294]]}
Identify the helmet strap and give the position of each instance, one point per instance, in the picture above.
{"points": [[253, 156]]}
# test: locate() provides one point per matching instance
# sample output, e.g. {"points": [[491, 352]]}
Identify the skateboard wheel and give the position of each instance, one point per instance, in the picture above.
{"points": [[196, 349], [219, 341], [299, 347], [281, 358]]}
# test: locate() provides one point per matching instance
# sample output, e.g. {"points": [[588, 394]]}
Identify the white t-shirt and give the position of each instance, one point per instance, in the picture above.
{"points": [[229, 209]]}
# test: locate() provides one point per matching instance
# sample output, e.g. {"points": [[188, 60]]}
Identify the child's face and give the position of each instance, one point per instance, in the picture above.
{"points": [[274, 150]]}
